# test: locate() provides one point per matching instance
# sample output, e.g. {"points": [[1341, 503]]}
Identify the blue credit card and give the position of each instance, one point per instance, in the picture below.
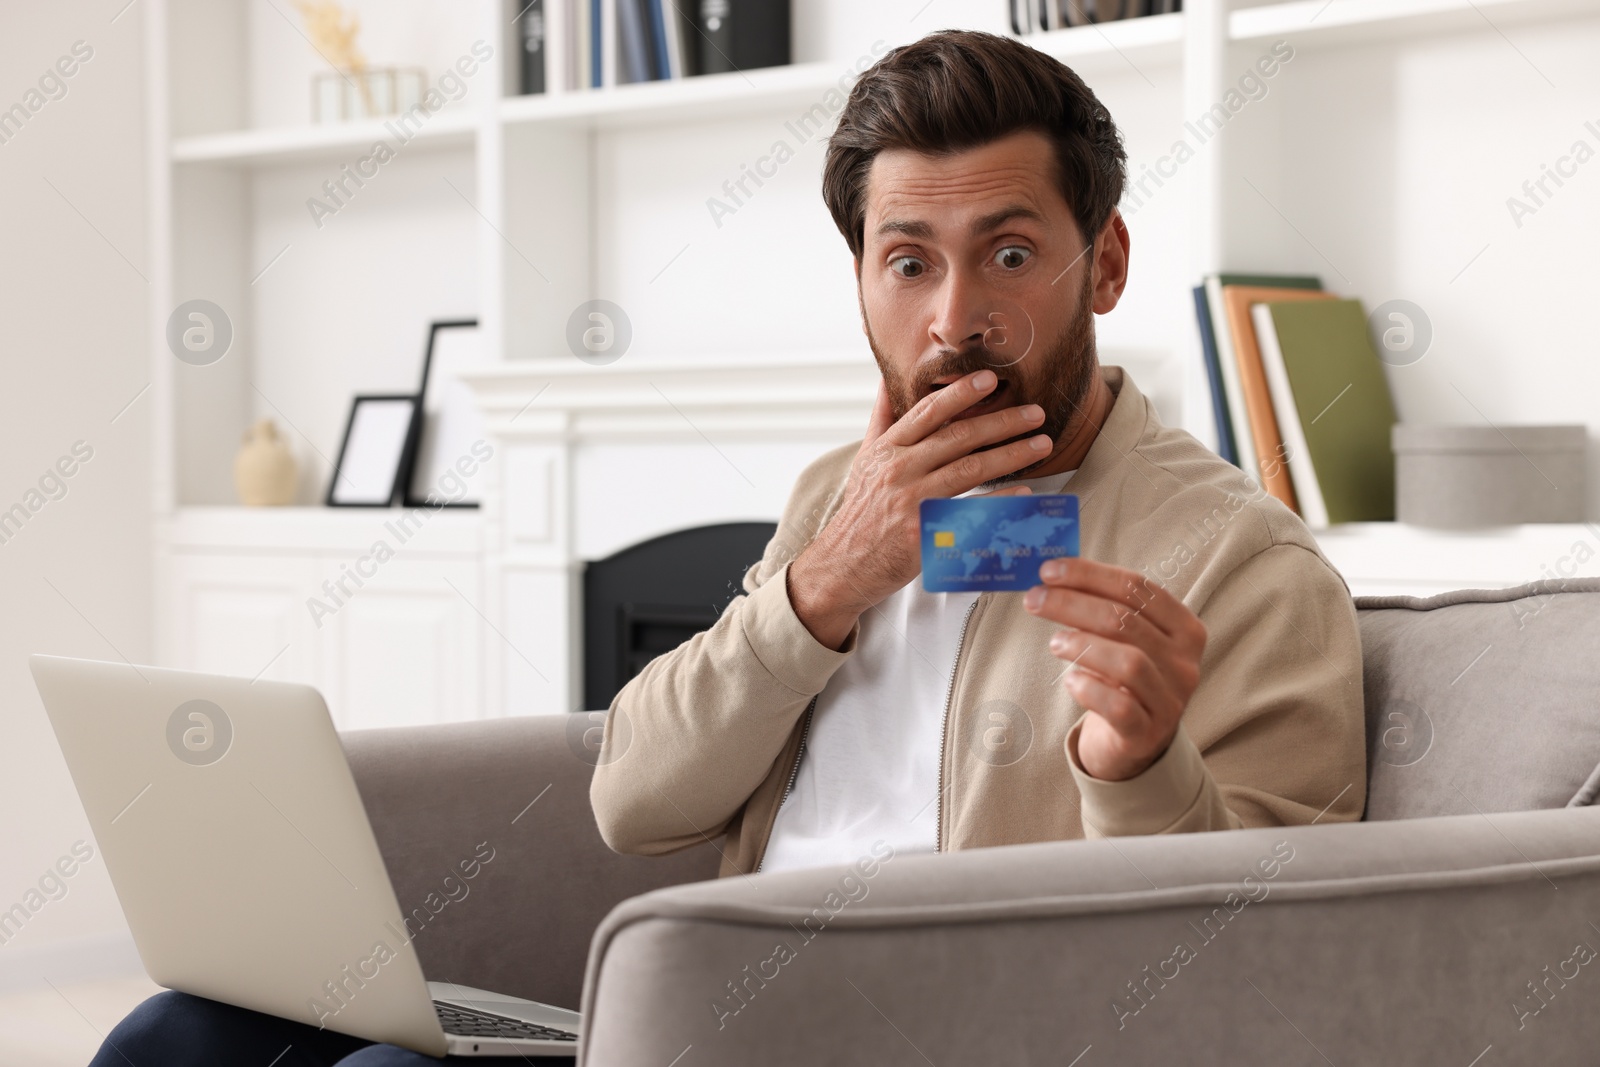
{"points": [[982, 544]]}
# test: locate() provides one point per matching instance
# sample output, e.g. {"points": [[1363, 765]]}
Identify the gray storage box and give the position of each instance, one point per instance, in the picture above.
{"points": [[1463, 477]]}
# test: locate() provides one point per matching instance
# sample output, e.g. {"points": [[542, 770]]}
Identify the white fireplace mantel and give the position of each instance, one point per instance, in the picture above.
{"points": [[591, 459], [820, 397]]}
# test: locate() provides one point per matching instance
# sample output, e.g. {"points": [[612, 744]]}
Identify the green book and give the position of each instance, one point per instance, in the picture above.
{"points": [[1331, 398]]}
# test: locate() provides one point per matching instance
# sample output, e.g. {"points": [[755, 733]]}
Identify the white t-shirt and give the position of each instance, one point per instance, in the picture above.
{"points": [[870, 767]]}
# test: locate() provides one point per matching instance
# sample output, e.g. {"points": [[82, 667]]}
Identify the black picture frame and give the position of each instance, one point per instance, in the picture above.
{"points": [[401, 460], [418, 463]]}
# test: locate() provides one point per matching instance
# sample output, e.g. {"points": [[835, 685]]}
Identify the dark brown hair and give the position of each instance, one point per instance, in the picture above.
{"points": [[959, 89]]}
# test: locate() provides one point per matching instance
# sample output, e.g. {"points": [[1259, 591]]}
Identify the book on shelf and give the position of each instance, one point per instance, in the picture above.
{"points": [[1229, 405], [1031, 16], [1219, 400], [1332, 397], [1266, 437], [531, 32], [742, 35], [669, 38], [593, 44], [566, 44], [636, 52]]}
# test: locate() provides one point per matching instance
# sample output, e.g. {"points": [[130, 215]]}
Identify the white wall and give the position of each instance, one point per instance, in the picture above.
{"points": [[73, 334]]}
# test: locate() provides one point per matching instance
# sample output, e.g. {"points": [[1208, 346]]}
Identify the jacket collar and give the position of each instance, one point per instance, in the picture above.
{"points": [[1118, 438]]}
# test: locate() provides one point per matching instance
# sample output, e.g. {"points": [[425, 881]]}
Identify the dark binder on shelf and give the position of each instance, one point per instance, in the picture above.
{"points": [[533, 31], [742, 35]]}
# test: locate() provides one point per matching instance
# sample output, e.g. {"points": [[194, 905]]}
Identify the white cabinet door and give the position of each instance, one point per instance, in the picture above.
{"points": [[243, 616], [406, 647]]}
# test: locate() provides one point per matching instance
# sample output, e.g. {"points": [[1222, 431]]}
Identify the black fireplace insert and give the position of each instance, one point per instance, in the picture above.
{"points": [[651, 597]]}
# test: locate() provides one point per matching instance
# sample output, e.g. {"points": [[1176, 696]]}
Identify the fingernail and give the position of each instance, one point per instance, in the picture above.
{"points": [[1058, 642], [984, 379], [1039, 443], [1053, 570], [1034, 599], [1032, 411]]}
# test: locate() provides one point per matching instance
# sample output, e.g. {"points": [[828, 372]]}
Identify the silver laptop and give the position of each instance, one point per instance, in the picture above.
{"points": [[242, 856]]}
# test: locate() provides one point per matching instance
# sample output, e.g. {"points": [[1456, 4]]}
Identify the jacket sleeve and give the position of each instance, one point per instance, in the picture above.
{"points": [[1275, 734], [688, 740]]}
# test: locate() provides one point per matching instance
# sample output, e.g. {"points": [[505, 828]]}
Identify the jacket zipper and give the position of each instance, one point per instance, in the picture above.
{"points": [[944, 729], [794, 773]]}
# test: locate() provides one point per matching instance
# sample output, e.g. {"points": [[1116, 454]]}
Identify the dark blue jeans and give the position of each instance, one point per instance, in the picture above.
{"points": [[178, 1030]]}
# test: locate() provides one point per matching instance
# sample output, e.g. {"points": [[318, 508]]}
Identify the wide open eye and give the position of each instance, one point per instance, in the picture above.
{"points": [[1012, 256], [907, 266]]}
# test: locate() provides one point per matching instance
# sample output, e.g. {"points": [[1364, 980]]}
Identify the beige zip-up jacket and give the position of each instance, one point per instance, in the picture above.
{"points": [[706, 741]]}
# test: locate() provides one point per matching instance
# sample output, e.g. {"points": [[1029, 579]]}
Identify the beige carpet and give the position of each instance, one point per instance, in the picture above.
{"points": [[62, 1027]]}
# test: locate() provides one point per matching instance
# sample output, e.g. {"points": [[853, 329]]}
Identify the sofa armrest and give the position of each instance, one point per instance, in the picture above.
{"points": [[1397, 942], [441, 796]]}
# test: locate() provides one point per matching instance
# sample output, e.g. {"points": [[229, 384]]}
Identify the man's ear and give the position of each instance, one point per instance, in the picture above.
{"points": [[1110, 263]]}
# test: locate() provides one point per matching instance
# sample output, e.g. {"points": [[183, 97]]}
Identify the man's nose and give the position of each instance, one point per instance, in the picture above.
{"points": [[961, 313]]}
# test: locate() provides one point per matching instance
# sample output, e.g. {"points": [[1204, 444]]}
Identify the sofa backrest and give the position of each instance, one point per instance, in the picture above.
{"points": [[442, 798], [1482, 700]]}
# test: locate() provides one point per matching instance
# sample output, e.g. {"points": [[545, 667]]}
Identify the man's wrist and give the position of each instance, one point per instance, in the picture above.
{"points": [[1108, 774], [826, 613]]}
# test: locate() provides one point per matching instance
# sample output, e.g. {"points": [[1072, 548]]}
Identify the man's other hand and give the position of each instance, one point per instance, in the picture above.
{"points": [[1133, 651]]}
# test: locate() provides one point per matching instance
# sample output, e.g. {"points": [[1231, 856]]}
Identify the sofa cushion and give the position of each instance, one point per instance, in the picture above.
{"points": [[1482, 699]]}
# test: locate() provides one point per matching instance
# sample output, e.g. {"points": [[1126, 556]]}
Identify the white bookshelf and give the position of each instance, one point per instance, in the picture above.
{"points": [[1379, 158]]}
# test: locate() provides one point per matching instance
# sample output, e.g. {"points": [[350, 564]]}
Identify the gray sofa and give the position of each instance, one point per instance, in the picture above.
{"points": [[1459, 924]]}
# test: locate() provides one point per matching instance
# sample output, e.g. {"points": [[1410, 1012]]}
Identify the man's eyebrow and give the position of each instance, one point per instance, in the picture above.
{"points": [[996, 219], [907, 227]]}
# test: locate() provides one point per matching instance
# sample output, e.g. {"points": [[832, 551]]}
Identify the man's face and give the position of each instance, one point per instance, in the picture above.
{"points": [[974, 260]]}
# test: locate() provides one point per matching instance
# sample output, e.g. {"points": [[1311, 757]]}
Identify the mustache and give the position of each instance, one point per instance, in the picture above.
{"points": [[950, 361]]}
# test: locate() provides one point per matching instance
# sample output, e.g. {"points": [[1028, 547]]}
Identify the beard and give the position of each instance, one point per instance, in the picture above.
{"points": [[1057, 375]]}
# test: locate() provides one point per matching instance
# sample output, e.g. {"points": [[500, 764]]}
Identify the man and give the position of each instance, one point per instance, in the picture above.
{"points": [[1198, 668]]}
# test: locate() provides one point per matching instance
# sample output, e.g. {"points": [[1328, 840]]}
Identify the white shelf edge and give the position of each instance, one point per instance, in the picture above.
{"points": [[1395, 532], [292, 143], [312, 528], [770, 86], [565, 366], [1339, 21], [1149, 34]]}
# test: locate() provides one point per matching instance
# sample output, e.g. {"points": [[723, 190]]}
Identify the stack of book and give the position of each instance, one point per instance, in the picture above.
{"points": [[1030, 16], [1300, 397], [592, 44]]}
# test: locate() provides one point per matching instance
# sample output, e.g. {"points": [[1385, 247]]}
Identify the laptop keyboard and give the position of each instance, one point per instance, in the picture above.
{"points": [[465, 1022]]}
